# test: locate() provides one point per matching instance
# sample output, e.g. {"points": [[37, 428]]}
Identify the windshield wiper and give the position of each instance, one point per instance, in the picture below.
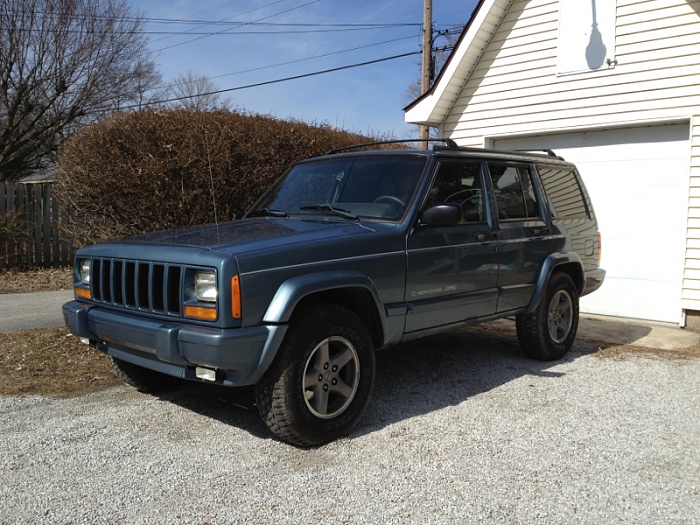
{"points": [[267, 212], [345, 214]]}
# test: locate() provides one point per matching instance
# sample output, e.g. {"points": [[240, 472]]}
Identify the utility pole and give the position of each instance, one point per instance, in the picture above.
{"points": [[427, 53]]}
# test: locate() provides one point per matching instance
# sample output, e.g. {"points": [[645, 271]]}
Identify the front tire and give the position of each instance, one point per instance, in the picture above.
{"points": [[549, 332], [319, 385]]}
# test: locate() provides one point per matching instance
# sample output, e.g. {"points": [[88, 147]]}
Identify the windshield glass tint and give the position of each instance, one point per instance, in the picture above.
{"points": [[372, 186]]}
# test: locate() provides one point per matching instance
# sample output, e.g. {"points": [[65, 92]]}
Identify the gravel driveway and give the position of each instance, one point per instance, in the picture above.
{"points": [[461, 429]]}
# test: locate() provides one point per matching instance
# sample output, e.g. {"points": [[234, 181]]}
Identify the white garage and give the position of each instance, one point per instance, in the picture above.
{"points": [[638, 180], [613, 87]]}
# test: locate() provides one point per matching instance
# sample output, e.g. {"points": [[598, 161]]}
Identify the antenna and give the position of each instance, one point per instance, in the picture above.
{"points": [[211, 180]]}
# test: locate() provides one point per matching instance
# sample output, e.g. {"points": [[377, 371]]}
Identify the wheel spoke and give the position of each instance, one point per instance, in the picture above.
{"points": [[320, 401], [563, 326], [315, 367], [311, 379], [322, 354], [342, 358], [342, 389]]}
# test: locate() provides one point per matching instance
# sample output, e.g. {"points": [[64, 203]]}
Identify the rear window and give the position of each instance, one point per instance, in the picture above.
{"points": [[564, 192], [515, 193]]}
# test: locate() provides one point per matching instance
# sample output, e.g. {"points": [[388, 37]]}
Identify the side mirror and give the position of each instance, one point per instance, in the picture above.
{"points": [[441, 215]]}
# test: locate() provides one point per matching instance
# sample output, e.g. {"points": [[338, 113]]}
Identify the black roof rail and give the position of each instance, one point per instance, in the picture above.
{"points": [[549, 152], [450, 144]]}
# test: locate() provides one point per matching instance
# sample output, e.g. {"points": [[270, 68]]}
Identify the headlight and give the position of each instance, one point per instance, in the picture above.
{"points": [[205, 286], [85, 271]]}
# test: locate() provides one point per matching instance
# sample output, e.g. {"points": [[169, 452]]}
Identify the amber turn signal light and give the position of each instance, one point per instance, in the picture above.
{"points": [[235, 297], [83, 293], [198, 312]]}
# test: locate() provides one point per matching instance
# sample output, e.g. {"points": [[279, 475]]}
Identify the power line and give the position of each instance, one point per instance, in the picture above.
{"points": [[279, 80], [274, 24], [241, 25], [234, 16], [312, 58], [220, 33]]}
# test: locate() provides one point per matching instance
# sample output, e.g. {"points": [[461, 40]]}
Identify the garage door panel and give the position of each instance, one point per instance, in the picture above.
{"points": [[633, 298], [638, 181]]}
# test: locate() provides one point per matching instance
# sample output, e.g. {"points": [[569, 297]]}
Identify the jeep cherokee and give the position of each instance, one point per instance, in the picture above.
{"points": [[346, 253]]}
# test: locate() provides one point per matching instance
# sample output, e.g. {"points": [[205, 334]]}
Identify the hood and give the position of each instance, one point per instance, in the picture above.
{"points": [[248, 234]]}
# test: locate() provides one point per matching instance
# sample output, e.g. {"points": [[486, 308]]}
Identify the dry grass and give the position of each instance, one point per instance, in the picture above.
{"points": [[50, 362], [625, 352], [36, 280]]}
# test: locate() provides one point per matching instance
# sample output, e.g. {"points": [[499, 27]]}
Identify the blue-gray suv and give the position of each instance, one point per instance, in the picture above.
{"points": [[347, 253]]}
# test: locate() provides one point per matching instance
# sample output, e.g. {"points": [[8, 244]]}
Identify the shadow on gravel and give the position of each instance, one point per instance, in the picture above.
{"points": [[411, 379], [232, 406], [429, 374], [422, 376]]}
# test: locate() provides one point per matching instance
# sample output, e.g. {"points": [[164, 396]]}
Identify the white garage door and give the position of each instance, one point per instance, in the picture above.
{"points": [[638, 181]]}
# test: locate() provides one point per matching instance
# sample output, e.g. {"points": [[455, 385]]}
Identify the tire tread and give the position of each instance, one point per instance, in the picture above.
{"points": [[273, 393]]}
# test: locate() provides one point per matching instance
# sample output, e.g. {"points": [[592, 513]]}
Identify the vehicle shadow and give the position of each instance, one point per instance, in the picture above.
{"points": [[444, 370], [231, 406], [436, 372], [421, 376]]}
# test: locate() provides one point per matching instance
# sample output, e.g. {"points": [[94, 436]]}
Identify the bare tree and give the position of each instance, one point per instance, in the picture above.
{"points": [[196, 92], [63, 64], [146, 90]]}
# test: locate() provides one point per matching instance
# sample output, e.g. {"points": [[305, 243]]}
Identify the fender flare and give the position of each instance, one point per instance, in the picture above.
{"points": [[292, 291], [550, 264]]}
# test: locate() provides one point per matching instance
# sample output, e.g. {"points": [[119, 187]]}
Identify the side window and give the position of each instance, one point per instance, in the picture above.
{"points": [[515, 194], [564, 192], [459, 182]]}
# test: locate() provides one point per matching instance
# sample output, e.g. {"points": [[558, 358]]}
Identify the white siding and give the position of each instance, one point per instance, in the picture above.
{"points": [[515, 89], [690, 299]]}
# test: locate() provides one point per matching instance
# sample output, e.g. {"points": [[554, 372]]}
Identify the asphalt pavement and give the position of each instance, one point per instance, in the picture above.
{"points": [[21, 311], [43, 310]]}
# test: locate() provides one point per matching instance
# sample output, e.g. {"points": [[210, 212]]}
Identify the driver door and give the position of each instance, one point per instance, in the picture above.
{"points": [[453, 271]]}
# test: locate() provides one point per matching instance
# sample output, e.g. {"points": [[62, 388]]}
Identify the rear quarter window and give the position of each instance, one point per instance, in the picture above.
{"points": [[564, 193]]}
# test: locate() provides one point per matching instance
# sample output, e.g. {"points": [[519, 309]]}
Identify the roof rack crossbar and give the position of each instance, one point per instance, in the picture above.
{"points": [[547, 151], [450, 143]]}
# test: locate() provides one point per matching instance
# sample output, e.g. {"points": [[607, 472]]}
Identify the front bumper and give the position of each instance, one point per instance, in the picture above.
{"points": [[239, 355]]}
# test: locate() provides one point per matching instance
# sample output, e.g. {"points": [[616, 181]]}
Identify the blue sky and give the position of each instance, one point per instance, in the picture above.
{"points": [[304, 36]]}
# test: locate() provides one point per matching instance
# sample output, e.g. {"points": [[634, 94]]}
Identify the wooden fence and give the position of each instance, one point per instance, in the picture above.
{"points": [[29, 227]]}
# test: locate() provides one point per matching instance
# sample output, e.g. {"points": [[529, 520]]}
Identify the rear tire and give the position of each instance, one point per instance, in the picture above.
{"points": [[142, 379], [320, 383], [549, 332]]}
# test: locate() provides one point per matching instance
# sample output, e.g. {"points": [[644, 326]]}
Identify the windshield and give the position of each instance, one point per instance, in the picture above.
{"points": [[376, 187]]}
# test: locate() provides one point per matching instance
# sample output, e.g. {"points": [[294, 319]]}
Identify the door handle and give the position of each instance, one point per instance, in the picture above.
{"points": [[481, 237]]}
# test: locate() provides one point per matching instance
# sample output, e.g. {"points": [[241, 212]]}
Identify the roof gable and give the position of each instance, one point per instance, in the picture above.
{"points": [[432, 107]]}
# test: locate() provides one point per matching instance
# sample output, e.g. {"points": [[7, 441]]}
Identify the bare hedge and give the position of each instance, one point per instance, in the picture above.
{"points": [[154, 170], [13, 235]]}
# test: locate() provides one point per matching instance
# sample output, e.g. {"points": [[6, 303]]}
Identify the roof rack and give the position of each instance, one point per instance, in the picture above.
{"points": [[450, 144], [547, 151]]}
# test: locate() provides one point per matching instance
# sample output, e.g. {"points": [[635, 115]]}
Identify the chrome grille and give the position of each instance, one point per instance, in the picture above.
{"points": [[139, 285]]}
